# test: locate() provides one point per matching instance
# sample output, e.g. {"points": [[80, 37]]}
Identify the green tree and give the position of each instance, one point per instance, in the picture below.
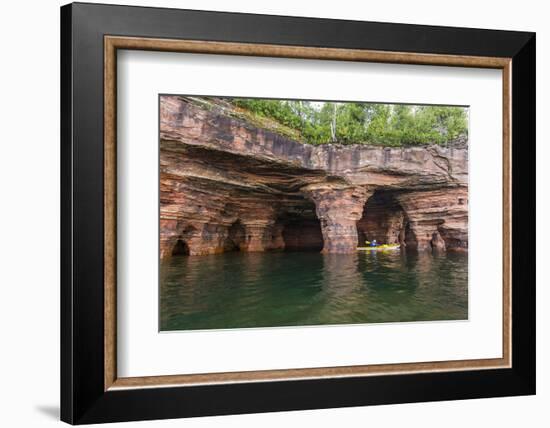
{"points": [[363, 123]]}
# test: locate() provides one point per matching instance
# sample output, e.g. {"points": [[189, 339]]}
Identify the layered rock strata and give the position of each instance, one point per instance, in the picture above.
{"points": [[227, 184]]}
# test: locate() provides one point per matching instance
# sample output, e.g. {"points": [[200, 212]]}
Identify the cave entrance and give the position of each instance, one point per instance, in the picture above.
{"points": [[235, 237], [383, 220], [300, 228], [303, 234], [180, 248]]}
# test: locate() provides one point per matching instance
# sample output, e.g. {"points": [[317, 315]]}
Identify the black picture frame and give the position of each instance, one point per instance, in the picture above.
{"points": [[83, 398]]}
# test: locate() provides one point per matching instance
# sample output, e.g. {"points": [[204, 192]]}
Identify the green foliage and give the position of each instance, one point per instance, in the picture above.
{"points": [[363, 123]]}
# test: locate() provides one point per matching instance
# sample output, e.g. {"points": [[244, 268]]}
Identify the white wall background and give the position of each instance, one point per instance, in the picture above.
{"points": [[29, 218]]}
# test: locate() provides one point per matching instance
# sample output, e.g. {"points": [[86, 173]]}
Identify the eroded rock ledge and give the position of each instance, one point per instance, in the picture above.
{"points": [[226, 185]]}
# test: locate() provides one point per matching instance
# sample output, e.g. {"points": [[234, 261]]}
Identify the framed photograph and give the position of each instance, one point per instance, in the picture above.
{"points": [[265, 213]]}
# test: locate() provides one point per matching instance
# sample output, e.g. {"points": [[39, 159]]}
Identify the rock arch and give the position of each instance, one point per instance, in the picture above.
{"points": [[235, 236], [181, 242], [180, 248], [384, 220]]}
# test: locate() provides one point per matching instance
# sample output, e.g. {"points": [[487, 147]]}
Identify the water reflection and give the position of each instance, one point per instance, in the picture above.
{"points": [[239, 290]]}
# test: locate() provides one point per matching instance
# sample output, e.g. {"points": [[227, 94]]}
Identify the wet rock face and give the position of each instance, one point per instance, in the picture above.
{"points": [[226, 185]]}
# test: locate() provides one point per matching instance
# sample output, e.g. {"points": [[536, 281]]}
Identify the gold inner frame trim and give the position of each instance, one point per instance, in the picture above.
{"points": [[113, 43]]}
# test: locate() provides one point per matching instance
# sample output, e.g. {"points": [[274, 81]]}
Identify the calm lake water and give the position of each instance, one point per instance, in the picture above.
{"points": [[239, 290]]}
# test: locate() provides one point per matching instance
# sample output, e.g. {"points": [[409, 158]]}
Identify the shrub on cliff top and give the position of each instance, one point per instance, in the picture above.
{"points": [[363, 123]]}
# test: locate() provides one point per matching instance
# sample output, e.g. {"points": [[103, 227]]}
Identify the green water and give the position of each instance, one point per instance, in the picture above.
{"points": [[239, 290]]}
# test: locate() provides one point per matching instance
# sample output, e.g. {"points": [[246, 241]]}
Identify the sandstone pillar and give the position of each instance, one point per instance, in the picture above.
{"points": [[437, 241], [338, 210], [209, 239], [261, 230], [257, 236], [423, 235]]}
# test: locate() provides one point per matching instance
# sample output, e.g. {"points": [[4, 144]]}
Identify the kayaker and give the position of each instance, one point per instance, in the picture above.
{"points": [[373, 243]]}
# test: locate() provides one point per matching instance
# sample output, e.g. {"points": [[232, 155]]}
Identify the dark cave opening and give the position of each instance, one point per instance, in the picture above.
{"points": [[180, 248], [383, 220], [236, 236], [303, 234]]}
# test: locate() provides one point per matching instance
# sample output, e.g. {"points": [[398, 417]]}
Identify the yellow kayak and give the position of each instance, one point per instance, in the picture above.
{"points": [[380, 247]]}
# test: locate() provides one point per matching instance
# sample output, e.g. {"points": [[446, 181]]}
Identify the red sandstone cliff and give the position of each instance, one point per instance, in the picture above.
{"points": [[227, 184]]}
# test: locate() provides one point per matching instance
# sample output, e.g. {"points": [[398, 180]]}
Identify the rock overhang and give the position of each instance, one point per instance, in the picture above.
{"points": [[217, 169]]}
